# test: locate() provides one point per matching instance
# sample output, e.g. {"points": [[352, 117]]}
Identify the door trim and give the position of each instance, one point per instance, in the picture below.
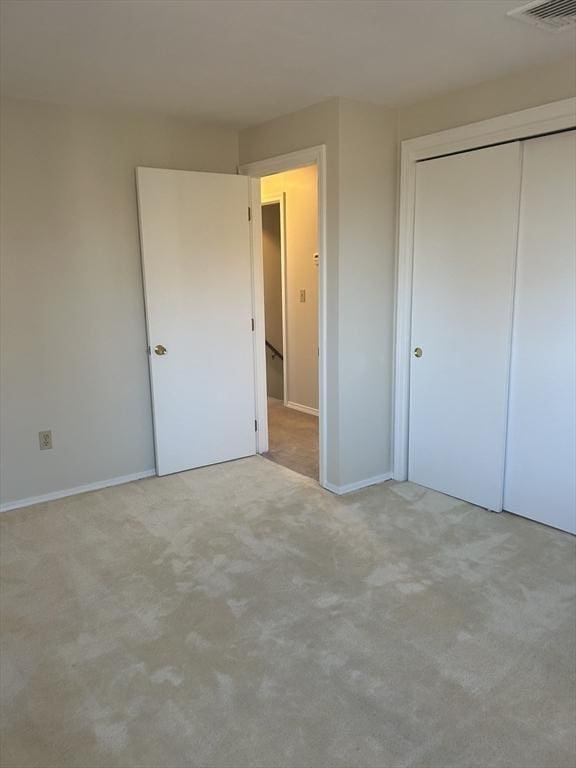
{"points": [[288, 162], [258, 327], [280, 200], [548, 118]]}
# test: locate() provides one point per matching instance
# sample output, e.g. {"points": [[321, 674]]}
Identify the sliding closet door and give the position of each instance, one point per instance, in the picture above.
{"points": [[464, 255], [541, 453]]}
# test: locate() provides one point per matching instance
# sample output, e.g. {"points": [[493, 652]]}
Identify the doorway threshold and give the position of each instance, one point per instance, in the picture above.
{"points": [[293, 439]]}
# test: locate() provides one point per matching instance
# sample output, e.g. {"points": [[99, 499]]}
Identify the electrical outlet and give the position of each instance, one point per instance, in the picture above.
{"points": [[302, 296], [45, 439]]}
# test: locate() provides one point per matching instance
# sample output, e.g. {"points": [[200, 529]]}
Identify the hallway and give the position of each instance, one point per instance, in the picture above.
{"points": [[293, 438]]}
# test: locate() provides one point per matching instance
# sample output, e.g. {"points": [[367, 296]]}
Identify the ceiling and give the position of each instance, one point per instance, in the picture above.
{"points": [[245, 61]]}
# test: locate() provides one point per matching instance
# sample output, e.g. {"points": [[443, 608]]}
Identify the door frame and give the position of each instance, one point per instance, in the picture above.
{"points": [[288, 162], [280, 200], [528, 123]]}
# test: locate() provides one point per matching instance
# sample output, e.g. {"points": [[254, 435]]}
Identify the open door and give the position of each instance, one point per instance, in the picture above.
{"points": [[196, 256]]}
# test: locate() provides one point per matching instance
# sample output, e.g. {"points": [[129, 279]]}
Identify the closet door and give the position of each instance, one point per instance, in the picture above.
{"points": [[464, 256], [540, 478]]}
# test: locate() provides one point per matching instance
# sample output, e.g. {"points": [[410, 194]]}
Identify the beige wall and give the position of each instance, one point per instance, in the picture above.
{"points": [[272, 258], [300, 191], [72, 323], [495, 97], [366, 289]]}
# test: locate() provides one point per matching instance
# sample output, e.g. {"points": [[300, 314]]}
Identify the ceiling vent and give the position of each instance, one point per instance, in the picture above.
{"points": [[553, 15]]}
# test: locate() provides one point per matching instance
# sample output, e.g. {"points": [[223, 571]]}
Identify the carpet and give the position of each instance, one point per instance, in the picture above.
{"points": [[239, 616], [293, 438]]}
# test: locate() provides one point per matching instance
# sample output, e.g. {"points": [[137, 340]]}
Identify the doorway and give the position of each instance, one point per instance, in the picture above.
{"points": [[259, 170], [290, 278]]}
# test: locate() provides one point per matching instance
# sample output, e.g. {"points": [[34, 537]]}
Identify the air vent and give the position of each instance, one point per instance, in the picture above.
{"points": [[553, 15]]}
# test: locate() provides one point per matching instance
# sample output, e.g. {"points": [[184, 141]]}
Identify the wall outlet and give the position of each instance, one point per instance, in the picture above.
{"points": [[302, 296], [45, 439]]}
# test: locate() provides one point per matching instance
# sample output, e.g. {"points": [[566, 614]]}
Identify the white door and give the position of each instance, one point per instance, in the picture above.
{"points": [[196, 256], [541, 452], [464, 256]]}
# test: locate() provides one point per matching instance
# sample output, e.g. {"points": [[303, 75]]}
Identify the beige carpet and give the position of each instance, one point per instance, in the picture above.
{"points": [[239, 616], [293, 438]]}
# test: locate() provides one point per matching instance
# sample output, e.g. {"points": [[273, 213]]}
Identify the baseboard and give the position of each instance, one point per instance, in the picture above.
{"points": [[74, 491], [302, 408], [342, 489]]}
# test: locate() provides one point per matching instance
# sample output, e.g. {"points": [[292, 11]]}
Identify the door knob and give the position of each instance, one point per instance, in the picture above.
{"points": [[417, 352], [159, 349]]}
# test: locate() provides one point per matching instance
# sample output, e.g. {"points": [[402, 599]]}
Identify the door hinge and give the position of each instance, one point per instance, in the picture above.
{"points": [[253, 326], [255, 425], [249, 214]]}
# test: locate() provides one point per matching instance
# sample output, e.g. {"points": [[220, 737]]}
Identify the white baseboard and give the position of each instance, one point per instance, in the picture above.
{"points": [[342, 489], [302, 408], [73, 491]]}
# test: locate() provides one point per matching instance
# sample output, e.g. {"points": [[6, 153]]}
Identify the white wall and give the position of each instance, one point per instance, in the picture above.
{"points": [[300, 191], [73, 340]]}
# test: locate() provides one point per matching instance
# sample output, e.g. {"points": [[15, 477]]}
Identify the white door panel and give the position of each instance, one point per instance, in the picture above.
{"points": [[541, 451], [464, 256], [196, 257]]}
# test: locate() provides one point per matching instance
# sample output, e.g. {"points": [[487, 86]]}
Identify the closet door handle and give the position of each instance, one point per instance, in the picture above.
{"points": [[417, 352]]}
